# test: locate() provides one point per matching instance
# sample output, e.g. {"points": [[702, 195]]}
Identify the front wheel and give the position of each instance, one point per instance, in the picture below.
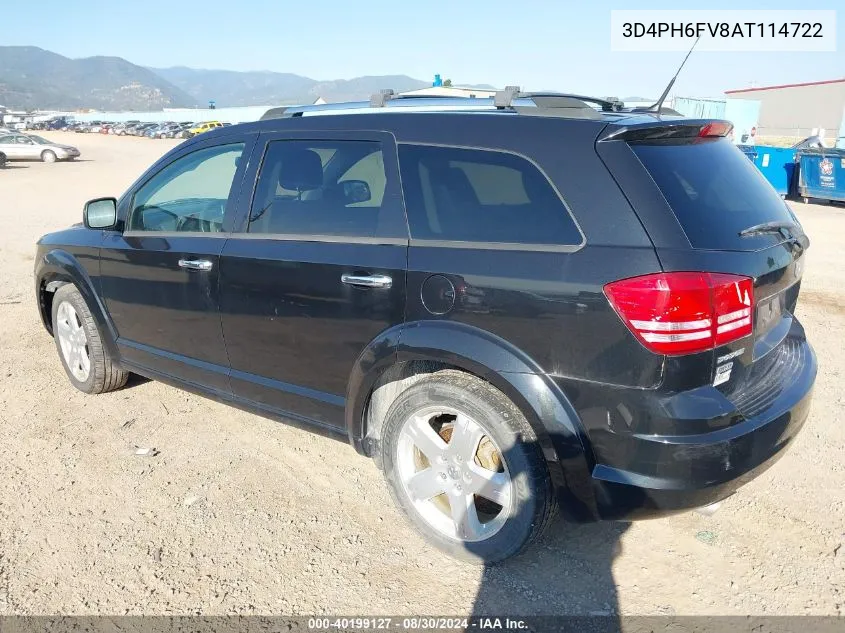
{"points": [[463, 464], [87, 363], [48, 157]]}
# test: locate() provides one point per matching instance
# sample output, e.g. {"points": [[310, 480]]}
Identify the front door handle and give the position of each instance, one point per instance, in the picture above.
{"points": [[195, 264], [367, 281]]}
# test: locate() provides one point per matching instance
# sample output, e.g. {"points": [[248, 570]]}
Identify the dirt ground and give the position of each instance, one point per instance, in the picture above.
{"points": [[240, 514]]}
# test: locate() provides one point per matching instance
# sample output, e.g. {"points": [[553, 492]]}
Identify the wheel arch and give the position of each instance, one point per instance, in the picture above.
{"points": [[403, 354], [58, 268]]}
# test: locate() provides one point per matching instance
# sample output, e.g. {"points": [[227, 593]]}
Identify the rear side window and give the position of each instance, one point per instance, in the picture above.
{"points": [[474, 195], [714, 190]]}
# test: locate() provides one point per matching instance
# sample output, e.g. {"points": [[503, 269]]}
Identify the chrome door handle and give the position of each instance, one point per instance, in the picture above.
{"points": [[367, 281], [195, 264]]}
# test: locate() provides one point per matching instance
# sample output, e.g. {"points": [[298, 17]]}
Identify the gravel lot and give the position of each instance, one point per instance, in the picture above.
{"points": [[239, 514]]}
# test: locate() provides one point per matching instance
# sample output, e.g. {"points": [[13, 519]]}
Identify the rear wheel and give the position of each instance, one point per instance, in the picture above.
{"points": [[48, 156], [2, 159], [87, 363], [463, 464]]}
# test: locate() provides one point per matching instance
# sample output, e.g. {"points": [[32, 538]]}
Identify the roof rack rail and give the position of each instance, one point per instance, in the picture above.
{"points": [[505, 98], [379, 99], [274, 113]]}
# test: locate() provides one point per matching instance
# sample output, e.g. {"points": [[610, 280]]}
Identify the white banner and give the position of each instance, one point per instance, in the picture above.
{"points": [[723, 30]]}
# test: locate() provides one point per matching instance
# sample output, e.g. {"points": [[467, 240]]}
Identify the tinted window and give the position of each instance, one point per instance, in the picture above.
{"points": [[714, 190], [474, 195], [190, 194], [319, 188]]}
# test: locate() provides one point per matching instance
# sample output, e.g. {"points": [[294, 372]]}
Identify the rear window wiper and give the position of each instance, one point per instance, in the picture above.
{"points": [[768, 227]]}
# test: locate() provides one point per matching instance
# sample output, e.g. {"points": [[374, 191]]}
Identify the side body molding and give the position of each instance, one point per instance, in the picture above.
{"points": [[554, 420]]}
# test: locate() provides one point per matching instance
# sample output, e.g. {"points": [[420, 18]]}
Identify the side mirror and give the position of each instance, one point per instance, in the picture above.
{"points": [[356, 191], [100, 213]]}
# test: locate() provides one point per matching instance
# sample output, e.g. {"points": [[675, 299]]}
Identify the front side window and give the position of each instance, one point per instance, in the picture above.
{"points": [[188, 195], [484, 196], [319, 188]]}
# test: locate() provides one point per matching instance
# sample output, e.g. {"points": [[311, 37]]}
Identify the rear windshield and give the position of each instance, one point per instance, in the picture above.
{"points": [[715, 192]]}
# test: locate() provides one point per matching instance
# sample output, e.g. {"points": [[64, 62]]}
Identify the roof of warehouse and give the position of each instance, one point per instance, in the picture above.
{"points": [[808, 83]]}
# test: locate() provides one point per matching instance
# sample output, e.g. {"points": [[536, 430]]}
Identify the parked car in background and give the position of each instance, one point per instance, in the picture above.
{"points": [[56, 124], [121, 129], [32, 147], [141, 129], [182, 131], [205, 126], [156, 130], [169, 131]]}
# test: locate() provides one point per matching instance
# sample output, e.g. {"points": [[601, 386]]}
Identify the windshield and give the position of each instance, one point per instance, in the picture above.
{"points": [[40, 140]]}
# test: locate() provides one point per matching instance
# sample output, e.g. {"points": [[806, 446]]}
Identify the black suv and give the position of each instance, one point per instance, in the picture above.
{"points": [[514, 305]]}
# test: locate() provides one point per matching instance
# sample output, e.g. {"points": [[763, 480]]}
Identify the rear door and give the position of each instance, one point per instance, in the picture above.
{"points": [[707, 208], [316, 271]]}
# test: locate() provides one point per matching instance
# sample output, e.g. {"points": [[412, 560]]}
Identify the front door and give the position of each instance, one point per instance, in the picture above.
{"points": [[19, 147], [160, 274], [317, 271]]}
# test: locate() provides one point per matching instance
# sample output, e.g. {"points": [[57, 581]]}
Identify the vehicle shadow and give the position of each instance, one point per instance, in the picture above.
{"points": [[135, 380], [10, 166], [567, 571]]}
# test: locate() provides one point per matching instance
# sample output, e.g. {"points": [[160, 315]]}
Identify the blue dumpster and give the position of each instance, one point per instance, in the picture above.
{"points": [[750, 151], [822, 174], [777, 164]]}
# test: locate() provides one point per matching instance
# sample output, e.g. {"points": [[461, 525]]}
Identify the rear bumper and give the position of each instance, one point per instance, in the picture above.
{"points": [[646, 476]]}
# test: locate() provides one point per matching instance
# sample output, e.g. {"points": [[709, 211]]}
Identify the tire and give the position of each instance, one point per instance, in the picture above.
{"points": [[48, 157], [71, 317], [445, 406], [2, 160]]}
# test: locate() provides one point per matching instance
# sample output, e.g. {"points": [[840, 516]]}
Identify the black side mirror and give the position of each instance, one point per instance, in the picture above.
{"points": [[100, 213], [356, 191]]}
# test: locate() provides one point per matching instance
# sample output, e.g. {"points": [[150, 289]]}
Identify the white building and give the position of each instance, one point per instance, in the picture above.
{"points": [[450, 91]]}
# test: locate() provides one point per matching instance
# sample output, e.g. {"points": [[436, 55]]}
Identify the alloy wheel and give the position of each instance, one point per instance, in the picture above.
{"points": [[73, 341], [454, 474]]}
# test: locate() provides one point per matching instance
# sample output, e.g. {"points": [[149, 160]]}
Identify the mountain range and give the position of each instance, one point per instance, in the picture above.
{"points": [[32, 77]]}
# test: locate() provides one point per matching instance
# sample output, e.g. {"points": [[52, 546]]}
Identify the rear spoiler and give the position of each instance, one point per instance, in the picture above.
{"points": [[667, 130]]}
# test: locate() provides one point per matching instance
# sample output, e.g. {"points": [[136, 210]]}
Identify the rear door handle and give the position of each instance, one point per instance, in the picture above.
{"points": [[367, 281], [195, 264]]}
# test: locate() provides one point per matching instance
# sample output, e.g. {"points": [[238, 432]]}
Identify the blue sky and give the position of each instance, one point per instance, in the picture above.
{"points": [[537, 44]]}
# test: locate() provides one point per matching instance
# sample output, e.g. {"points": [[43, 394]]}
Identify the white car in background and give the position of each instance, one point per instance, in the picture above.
{"points": [[16, 146]]}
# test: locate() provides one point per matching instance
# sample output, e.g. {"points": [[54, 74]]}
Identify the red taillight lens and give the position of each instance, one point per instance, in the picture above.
{"points": [[684, 313], [716, 128]]}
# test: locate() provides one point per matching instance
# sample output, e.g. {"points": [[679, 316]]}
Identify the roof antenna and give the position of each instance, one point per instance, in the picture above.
{"points": [[657, 106]]}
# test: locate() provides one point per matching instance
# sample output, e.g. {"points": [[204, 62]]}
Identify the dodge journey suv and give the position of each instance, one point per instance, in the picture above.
{"points": [[513, 305]]}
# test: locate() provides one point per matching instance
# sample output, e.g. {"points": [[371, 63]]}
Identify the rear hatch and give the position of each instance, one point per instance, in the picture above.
{"points": [[707, 208]]}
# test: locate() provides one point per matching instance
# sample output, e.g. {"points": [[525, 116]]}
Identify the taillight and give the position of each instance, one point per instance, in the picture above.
{"points": [[715, 128], [684, 313]]}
